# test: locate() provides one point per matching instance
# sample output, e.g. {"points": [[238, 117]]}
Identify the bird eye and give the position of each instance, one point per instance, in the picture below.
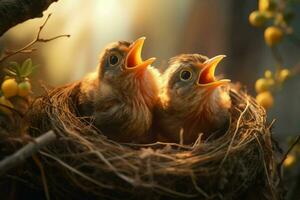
{"points": [[114, 59], [185, 75]]}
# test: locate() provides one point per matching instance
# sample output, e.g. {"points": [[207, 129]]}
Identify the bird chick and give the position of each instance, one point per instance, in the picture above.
{"points": [[192, 100], [121, 95]]}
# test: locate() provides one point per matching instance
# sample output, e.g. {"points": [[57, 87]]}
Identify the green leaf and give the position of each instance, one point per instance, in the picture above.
{"points": [[25, 65], [18, 70], [27, 68], [28, 61], [14, 64], [26, 73], [21, 71]]}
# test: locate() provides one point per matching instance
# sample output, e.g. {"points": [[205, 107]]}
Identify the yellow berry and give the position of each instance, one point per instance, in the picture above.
{"points": [[5, 102], [9, 88], [273, 35], [257, 18], [24, 89], [265, 99], [263, 84], [268, 74], [266, 5], [263, 5], [289, 160], [283, 75]]}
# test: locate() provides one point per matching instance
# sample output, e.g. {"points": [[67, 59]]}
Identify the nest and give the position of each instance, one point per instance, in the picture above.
{"points": [[84, 164]]}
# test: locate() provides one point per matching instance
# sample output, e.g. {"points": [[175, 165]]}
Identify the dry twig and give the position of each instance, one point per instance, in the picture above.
{"points": [[297, 140], [27, 48], [25, 152]]}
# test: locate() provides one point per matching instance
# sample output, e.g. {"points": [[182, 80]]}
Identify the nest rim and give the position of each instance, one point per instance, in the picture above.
{"points": [[146, 166]]}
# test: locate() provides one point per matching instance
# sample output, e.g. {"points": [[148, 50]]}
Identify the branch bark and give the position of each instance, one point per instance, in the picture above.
{"points": [[25, 152], [13, 12]]}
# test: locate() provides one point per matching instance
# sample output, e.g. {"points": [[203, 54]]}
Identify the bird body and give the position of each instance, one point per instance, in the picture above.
{"points": [[192, 101], [121, 95]]}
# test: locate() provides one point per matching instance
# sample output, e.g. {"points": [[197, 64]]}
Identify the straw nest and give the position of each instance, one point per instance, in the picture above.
{"points": [[83, 163]]}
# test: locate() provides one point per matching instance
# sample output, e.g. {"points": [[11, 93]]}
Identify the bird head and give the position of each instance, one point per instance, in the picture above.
{"points": [[121, 62], [190, 83]]}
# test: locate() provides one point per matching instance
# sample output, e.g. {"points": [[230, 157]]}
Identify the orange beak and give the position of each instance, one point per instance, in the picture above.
{"points": [[133, 59], [207, 74]]}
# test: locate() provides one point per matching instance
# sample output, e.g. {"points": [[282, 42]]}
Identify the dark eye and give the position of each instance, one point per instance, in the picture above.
{"points": [[185, 75], [114, 59]]}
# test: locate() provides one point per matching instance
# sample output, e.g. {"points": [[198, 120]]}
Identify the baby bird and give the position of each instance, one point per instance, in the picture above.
{"points": [[192, 100], [121, 95]]}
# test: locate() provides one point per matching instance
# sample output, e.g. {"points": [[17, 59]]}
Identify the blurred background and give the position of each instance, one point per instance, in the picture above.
{"points": [[172, 27]]}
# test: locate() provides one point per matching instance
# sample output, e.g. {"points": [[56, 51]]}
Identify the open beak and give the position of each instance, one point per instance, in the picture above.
{"points": [[133, 59], [207, 75]]}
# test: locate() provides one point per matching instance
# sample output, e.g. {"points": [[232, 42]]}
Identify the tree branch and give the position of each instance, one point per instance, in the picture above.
{"points": [[13, 12], [25, 152], [297, 140], [26, 48]]}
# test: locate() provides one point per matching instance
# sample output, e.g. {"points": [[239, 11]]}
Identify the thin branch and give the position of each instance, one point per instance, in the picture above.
{"points": [[38, 39], [12, 110], [27, 151], [289, 150], [7, 51]]}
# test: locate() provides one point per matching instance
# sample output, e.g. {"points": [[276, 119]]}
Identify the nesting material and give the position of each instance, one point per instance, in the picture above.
{"points": [[83, 163]]}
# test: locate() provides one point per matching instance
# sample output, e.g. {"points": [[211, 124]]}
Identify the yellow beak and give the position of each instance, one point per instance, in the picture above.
{"points": [[133, 59], [207, 74]]}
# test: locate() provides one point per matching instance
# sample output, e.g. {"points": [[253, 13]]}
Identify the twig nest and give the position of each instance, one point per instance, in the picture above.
{"points": [[83, 163]]}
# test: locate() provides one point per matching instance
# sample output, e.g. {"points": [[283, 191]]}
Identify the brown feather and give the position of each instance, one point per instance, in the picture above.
{"points": [[200, 111], [122, 105]]}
